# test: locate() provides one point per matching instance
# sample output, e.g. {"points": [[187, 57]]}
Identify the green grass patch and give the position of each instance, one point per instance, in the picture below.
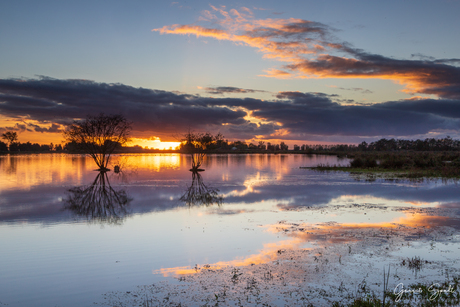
{"points": [[401, 165]]}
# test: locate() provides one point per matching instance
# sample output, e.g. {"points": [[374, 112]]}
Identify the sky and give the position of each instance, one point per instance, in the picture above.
{"points": [[300, 72]]}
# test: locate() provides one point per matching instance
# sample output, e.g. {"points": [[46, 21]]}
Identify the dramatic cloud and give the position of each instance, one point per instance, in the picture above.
{"points": [[428, 77], [45, 104], [55, 101], [283, 39], [311, 51], [17, 127], [53, 129]]}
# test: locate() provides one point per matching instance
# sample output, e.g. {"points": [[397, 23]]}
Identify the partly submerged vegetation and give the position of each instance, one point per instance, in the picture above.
{"points": [[407, 164], [344, 271], [99, 136], [419, 294], [197, 145]]}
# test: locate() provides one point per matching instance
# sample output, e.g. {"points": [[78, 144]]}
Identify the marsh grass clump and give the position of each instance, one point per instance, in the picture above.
{"points": [[235, 275], [414, 263]]}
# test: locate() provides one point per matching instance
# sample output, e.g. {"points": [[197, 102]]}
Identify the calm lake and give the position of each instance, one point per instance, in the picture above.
{"points": [[70, 235]]}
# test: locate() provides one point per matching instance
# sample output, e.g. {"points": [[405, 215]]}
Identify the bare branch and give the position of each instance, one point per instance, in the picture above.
{"points": [[100, 136]]}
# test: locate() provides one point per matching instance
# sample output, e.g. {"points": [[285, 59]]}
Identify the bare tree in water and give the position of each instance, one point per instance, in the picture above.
{"points": [[197, 145], [199, 194], [99, 136], [99, 202]]}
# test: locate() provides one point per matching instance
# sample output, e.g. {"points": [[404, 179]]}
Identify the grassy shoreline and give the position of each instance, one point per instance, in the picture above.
{"points": [[389, 173], [401, 164]]}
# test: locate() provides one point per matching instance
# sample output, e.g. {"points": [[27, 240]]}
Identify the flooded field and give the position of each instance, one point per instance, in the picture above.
{"points": [[249, 230]]}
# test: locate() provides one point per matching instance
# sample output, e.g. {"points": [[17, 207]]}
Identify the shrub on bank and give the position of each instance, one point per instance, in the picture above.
{"points": [[366, 162]]}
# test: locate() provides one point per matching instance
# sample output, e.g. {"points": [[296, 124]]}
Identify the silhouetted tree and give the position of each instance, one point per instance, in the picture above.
{"points": [[283, 146], [363, 146], [73, 147], [99, 201], [10, 137], [198, 194], [261, 145], [99, 136], [197, 145], [219, 141]]}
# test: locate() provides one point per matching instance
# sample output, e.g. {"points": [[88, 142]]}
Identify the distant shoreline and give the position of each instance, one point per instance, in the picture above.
{"points": [[160, 151], [411, 164]]}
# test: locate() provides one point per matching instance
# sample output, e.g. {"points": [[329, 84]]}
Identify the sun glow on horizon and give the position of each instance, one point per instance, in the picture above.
{"points": [[153, 142]]}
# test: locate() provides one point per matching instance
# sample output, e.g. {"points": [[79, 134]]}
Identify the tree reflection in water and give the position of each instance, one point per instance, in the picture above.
{"points": [[198, 194], [99, 202]]}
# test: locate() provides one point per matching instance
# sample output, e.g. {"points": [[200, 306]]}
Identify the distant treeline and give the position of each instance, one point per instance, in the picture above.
{"points": [[221, 145], [429, 144], [70, 147], [74, 147], [28, 147]]}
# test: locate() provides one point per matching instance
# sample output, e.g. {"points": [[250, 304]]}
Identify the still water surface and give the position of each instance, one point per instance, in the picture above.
{"points": [[69, 234]]}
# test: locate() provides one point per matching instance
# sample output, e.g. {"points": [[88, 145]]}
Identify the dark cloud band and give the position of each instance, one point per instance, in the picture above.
{"points": [[294, 115]]}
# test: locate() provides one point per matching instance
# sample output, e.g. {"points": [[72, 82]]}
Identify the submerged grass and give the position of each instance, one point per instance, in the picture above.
{"points": [[424, 295]]}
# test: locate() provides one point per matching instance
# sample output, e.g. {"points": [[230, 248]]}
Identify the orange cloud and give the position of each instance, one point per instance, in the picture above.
{"points": [[276, 73], [333, 233], [196, 30], [418, 76], [323, 234], [276, 38], [309, 49], [267, 254]]}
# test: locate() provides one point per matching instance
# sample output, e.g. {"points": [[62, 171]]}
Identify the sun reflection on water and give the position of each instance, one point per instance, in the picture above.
{"points": [[25, 171]]}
